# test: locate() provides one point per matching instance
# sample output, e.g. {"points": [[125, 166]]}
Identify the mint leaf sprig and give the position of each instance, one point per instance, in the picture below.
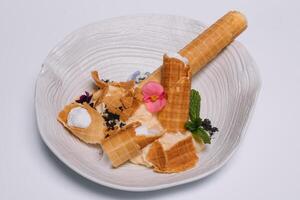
{"points": [[202, 130], [195, 101]]}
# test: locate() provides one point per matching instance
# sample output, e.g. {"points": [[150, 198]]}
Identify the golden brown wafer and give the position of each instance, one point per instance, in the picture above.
{"points": [[213, 40], [172, 71], [176, 81], [93, 134], [119, 97], [121, 146], [180, 156], [145, 140]]}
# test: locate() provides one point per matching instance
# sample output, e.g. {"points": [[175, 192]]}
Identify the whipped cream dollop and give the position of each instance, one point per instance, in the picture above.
{"points": [[79, 117], [177, 56]]}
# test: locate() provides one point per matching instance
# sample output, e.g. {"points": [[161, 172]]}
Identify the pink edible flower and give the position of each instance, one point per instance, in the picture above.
{"points": [[154, 96]]}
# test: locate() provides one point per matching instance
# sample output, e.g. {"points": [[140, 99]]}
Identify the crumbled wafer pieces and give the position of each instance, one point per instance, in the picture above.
{"points": [[94, 133], [127, 101], [130, 103], [95, 76], [98, 96], [176, 80], [119, 97]]}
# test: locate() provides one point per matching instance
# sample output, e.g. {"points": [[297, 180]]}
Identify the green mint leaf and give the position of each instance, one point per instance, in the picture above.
{"points": [[191, 126], [195, 101], [202, 134], [198, 122]]}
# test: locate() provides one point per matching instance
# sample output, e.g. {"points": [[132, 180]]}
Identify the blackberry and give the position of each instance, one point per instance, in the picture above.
{"points": [[214, 129], [206, 121]]}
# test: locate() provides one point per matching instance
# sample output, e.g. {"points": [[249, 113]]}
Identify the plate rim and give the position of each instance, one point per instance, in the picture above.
{"points": [[235, 44]]}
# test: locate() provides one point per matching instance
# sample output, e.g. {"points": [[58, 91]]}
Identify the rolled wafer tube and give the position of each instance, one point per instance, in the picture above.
{"points": [[209, 43]]}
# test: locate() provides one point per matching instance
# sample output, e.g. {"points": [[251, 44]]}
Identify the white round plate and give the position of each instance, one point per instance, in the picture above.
{"points": [[118, 47]]}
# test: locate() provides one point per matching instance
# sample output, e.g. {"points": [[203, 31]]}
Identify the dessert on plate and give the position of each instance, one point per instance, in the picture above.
{"points": [[153, 120]]}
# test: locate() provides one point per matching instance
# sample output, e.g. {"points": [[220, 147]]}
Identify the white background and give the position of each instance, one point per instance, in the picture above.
{"points": [[267, 164]]}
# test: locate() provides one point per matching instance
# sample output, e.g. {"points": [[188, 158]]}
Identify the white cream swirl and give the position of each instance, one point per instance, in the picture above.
{"points": [[79, 117]]}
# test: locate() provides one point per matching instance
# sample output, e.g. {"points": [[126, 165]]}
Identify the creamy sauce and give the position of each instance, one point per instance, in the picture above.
{"points": [[150, 124], [144, 131], [141, 158], [170, 139], [79, 117]]}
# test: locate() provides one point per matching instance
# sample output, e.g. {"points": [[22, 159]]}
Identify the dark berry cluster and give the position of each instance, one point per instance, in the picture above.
{"points": [[206, 124]]}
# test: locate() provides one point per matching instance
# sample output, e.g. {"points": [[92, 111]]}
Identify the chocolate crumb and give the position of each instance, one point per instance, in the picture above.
{"points": [[122, 124], [106, 80], [111, 119]]}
